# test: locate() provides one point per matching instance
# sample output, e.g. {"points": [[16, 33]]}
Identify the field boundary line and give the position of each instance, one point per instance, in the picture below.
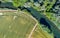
{"points": [[30, 16], [1, 11], [29, 36], [32, 30], [8, 10]]}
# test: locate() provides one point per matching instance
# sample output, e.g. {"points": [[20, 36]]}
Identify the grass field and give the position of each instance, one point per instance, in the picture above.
{"points": [[40, 33], [15, 25]]}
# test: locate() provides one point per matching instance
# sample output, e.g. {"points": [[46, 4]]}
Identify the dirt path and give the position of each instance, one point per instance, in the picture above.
{"points": [[8, 10], [32, 30]]}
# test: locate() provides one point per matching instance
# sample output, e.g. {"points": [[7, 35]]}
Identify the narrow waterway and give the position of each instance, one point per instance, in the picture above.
{"points": [[44, 20]]}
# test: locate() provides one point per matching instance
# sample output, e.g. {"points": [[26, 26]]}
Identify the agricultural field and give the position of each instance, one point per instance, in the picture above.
{"points": [[14, 25], [39, 32]]}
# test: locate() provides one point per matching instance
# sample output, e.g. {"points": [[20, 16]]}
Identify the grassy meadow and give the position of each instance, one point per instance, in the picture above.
{"points": [[14, 25]]}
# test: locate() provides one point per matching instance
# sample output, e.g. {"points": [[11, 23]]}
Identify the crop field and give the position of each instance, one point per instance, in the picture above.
{"points": [[14, 25], [40, 33]]}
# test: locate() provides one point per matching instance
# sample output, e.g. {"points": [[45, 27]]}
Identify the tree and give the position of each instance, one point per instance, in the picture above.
{"points": [[17, 3]]}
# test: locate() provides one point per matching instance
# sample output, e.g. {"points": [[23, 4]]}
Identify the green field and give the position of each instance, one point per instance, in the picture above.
{"points": [[40, 33], [14, 25]]}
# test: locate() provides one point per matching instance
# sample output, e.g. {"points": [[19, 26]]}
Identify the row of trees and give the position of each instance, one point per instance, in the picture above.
{"points": [[47, 4]]}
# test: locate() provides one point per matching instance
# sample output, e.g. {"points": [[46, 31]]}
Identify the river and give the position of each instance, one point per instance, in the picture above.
{"points": [[44, 20]]}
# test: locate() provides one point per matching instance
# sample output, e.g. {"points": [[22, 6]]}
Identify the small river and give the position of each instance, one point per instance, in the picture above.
{"points": [[44, 20]]}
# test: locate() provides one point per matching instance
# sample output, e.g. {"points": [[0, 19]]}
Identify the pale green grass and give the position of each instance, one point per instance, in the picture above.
{"points": [[20, 27], [40, 33]]}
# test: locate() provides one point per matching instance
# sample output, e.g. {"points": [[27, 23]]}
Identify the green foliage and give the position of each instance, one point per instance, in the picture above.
{"points": [[49, 4], [17, 3]]}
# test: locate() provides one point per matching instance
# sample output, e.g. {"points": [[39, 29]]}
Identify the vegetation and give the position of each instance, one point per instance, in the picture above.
{"points": [[15, 25], [41, 33], [49, 8], [18, 3]]}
